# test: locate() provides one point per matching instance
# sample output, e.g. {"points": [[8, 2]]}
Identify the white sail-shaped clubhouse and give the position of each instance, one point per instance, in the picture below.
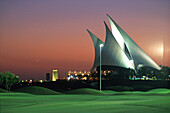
{"points": [[96, 42], [120, 50]]}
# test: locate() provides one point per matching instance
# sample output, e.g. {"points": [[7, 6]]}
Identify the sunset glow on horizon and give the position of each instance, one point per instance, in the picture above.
{"points": [[37, 36]]}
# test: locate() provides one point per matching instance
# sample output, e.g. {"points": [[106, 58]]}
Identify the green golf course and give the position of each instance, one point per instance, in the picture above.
{"points": [[154, 101]]}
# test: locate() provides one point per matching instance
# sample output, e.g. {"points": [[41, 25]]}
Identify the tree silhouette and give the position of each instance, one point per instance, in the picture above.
{"points": [[2, 78], [8, 80]]}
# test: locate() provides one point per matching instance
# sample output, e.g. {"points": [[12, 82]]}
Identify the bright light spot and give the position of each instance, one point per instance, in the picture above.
{"points": [[41, 81], [68, 78], [30, 81], [84, 78], [157, 51], [161, 49], [101, 45]]}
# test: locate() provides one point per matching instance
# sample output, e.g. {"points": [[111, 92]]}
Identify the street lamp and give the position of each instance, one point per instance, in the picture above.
{"points": [[101, 45]]}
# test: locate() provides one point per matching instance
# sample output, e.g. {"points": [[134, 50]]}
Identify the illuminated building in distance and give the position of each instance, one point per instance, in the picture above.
{"points": [[78, 75], [55, 75]]}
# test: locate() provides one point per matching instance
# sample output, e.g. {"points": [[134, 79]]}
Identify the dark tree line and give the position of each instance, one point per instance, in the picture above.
{"points": [[149, 72]]}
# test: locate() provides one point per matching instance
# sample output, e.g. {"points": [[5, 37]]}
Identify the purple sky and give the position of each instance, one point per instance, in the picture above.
{"points": [[37, 36]]}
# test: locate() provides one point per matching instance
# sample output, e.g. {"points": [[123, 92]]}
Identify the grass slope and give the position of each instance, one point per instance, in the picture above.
{"points": [[26, 103], [3, 90], [89, 91], [85, 91], [159, 91], [37, 90]]}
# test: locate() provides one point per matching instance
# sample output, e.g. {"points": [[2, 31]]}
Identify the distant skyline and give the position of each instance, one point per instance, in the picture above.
{"points": [[37, 36]]}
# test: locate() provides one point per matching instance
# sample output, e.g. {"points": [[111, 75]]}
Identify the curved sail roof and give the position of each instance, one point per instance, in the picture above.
{"points": [[112, 53], [119, 49], [96, 42], [139, 56]]}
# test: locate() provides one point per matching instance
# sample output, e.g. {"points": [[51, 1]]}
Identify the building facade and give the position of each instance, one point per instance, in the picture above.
{"points": [[54, 75], [119, 50]]}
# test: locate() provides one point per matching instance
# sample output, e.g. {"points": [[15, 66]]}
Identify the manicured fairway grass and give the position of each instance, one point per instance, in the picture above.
{"points": [[28, 103]]}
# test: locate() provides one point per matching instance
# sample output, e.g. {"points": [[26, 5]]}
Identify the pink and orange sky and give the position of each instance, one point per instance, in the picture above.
{"points": [[37, 36]]}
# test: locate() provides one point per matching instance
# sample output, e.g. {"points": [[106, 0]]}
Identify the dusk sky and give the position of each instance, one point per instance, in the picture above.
{"points": [[37, 36]]}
